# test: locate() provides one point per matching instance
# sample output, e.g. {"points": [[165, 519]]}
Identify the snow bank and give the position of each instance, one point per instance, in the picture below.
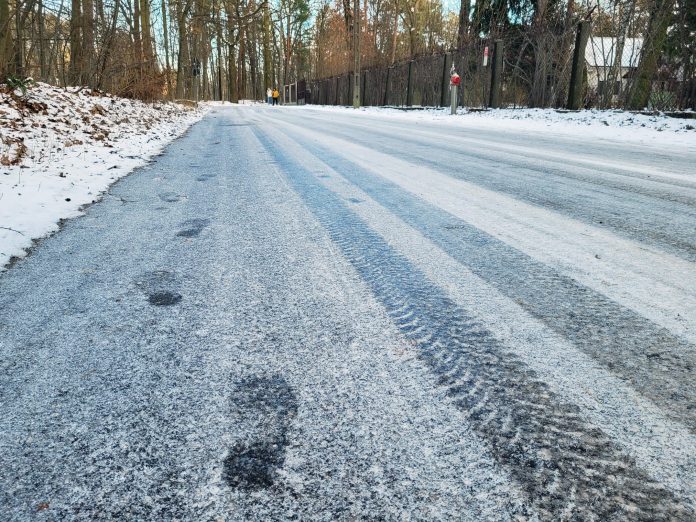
{"points": [[61, 149], [610, 125]]}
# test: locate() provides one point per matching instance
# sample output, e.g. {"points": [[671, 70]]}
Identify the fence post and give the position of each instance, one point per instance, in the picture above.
{"points": [[445, 79], [409, 85], [386, 87], [576, 74], [364, 88], [496, 75], [351, 89]]}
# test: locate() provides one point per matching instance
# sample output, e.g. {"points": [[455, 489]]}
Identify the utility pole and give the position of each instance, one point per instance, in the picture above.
{"points": [[356, 54]]}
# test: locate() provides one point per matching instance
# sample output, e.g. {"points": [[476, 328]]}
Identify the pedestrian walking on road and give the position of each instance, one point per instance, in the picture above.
{"points": [[276, 95], [269, 96]]}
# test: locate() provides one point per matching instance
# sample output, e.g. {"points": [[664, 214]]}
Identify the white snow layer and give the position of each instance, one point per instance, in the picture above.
{"points": [[610, 125], [62, 148]]}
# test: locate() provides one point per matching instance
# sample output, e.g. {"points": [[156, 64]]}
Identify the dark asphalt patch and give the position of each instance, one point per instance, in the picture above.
{"points": [[267, 405], [193, 227], [164, 298]]}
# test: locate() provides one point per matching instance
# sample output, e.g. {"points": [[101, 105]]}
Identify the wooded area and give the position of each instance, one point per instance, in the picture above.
{"points": [[236, 49]]}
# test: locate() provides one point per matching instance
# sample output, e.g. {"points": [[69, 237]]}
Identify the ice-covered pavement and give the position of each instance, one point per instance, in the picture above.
{"points": [[297, 313], [61, 148]]}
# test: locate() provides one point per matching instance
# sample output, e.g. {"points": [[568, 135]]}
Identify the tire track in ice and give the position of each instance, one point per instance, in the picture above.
{"points": [[661, 447], [646, 211], [568, 468], [544, 149], [658, 364]]}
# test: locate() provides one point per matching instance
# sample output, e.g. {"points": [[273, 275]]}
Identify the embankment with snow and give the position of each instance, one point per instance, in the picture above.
{"points": [[60, 149]]}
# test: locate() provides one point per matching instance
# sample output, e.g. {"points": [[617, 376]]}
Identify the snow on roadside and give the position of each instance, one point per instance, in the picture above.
{"points": [[62, 148], [610, 125]]}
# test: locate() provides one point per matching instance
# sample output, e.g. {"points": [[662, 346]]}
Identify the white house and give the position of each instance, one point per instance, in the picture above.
{"points": [[600, 57]]}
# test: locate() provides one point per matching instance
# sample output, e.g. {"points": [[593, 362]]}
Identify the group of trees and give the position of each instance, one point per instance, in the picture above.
{"points": [[538, 37], [151, 49], [233, 49]]}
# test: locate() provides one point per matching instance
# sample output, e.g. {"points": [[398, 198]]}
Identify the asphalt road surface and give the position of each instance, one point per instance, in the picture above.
{"points": [[297, 314]]}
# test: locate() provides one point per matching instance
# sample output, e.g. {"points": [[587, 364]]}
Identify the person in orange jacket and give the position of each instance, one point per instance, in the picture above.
{"points": [[276, 95]]}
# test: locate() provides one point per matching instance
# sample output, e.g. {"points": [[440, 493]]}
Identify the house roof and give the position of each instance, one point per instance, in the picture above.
{"points": [[601, 51]]}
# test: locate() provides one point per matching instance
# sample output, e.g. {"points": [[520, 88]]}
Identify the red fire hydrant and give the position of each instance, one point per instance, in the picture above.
{"points": [[455, 80]]}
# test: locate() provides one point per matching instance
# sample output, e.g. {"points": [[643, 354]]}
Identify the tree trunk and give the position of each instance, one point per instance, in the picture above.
{"points": [[4, 38], [148, 52], [267, 70], [183, 59], [253, 61], [463, 30], [395, 32], [241, 68], [43, 73], [138, 49], [87, 72], [75, 41], [165, 35], [231, 61], [660, 17], [19, 40], [218, 46]]}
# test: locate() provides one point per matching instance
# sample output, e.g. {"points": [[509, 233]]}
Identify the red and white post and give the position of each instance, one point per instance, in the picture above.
{"points": [[455, 80]]}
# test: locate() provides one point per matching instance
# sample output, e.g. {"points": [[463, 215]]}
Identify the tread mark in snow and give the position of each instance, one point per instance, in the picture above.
{"points": [[160, 286], [169, 197], [612, 334], [568, 468], [193, 227], [164, 298], [205, 177], [268, 404], [524, 185]]}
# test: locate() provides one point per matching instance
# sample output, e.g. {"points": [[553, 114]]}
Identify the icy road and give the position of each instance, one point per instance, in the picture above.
{"points": [[295, 313]]}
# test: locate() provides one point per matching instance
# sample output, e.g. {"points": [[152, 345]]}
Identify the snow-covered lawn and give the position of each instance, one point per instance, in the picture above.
{"points": [[61, 149], [611, 125]]}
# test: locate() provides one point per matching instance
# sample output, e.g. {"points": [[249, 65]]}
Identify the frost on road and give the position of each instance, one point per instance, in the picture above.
{"points": [[300, 314]]}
